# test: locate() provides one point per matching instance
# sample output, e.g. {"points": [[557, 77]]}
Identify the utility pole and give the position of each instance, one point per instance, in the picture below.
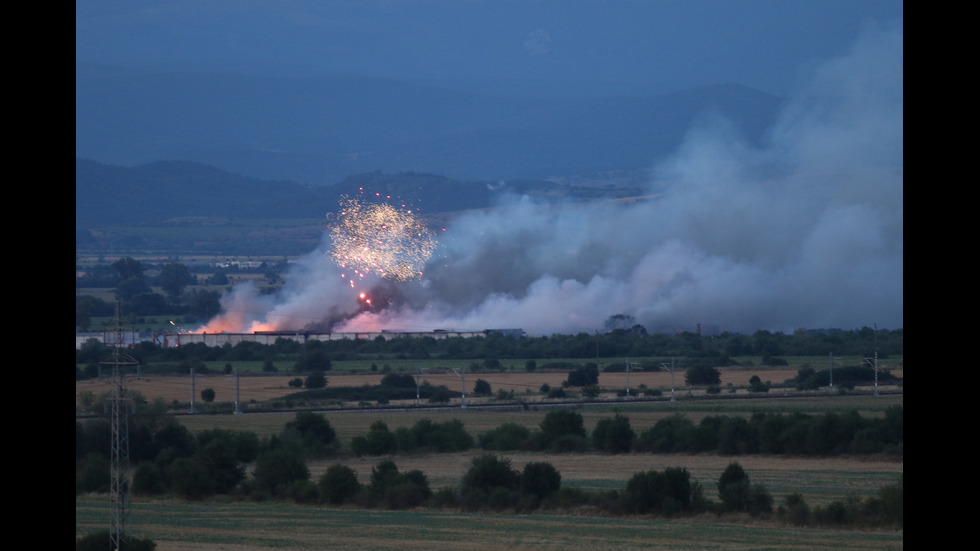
{"points": [[831, 371], [418, 388], [193, 380], [238, 389], [119, 426], [627, 377], [874, 361], [462, 377], [671, 369]]}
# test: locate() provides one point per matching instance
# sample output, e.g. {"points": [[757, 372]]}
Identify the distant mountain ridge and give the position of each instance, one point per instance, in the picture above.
{"points": [[108, 195], [317, 130]]}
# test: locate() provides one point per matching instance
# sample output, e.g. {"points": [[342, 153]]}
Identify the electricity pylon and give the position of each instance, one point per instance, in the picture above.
{"points": [[119, 404]]}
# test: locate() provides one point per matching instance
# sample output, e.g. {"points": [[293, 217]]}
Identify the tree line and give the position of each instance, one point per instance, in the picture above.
{"points": [[171, 460], [689, 349]]}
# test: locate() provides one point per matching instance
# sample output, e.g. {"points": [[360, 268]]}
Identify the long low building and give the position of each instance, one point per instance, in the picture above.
{"points": [[174, 339]]}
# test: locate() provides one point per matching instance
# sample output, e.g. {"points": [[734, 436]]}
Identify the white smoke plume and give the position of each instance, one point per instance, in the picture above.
{"points": [[803, 232]]}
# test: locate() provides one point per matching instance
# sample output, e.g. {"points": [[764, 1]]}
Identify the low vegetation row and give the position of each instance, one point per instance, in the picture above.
{"points": [[171, 460], [618, 340]]}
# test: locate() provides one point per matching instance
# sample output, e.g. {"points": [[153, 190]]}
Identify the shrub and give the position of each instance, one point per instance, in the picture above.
{"points": [[482, 388], [584, 376], [490, 471], [276, 469], [613, 435], [315, 380], [795, 510], [702, 375], [540, 479], [506, 437], [339, 484], [733, 488], [562, 422], [756, 385], [379, 441], [672, 434], [99, 541], [92, 473], [668, 492], [314, 431]]}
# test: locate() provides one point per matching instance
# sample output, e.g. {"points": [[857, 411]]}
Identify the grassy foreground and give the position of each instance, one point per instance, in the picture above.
{"points": [[246, 526]]}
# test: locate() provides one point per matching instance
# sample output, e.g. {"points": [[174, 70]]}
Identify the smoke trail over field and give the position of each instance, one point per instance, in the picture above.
{"points": [[805, 232]]}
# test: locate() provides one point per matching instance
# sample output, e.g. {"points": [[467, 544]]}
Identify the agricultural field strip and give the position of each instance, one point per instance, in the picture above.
{"points": [[820, 480], [268, 526], [263, 388]]}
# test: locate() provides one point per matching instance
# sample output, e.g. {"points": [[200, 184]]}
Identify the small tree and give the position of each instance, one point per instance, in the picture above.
{"points": [[702, 375], [378, 441], [315, 380], [276, 469], [314, 430], [482, 388], [737, 494], [207, 395], [613, 435], [583, 376], [562, 422], [339, 484], [540, 479], [756, 384], [490, 471]]}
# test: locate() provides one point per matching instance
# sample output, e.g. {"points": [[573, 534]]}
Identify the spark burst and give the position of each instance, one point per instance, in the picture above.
{"points": [[379, 238]]}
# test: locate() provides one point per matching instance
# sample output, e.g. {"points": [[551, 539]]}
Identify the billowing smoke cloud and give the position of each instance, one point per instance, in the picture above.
{"points": [[804, 232]]}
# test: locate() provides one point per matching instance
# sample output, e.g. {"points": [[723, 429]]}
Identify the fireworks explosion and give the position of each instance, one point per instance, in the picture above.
{"points": [[379, 238]]}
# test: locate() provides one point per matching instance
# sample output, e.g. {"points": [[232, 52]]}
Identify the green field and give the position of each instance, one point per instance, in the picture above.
{"points": [[274, 526]]}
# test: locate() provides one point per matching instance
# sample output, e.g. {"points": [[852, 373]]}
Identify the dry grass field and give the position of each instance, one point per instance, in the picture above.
{"points": [[262, 388], [227, 525]]}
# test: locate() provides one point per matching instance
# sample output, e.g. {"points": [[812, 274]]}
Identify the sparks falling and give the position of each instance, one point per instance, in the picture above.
{"points": [[381, 239]]}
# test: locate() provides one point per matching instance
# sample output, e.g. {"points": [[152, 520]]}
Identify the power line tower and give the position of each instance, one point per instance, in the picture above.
{"points": [[119, 406]]}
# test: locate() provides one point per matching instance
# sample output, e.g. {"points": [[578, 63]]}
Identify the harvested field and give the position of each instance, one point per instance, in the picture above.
{"points": [[262, 388]]}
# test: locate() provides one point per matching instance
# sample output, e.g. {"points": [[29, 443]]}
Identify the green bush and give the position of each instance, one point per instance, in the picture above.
{"points": [[540, 479], [702, 375], [613, 435], [490, 471], [506, 437], [100, 541], [277, 469]]}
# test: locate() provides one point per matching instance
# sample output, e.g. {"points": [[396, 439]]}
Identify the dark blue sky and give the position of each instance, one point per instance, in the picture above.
{"points": [[618, 46]]}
